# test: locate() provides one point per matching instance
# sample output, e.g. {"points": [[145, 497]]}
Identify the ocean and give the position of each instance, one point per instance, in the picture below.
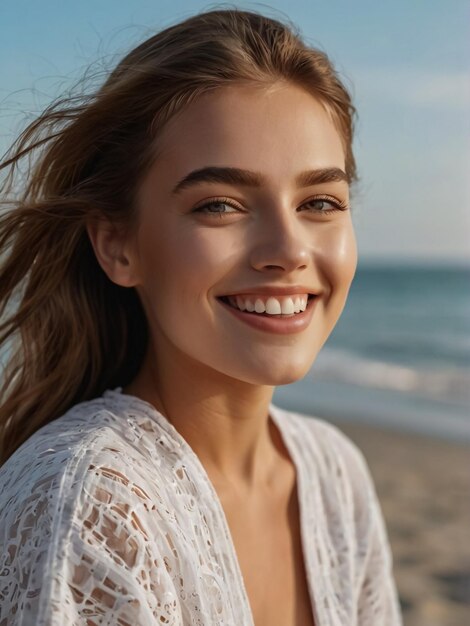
{"points": [[399, 355]]}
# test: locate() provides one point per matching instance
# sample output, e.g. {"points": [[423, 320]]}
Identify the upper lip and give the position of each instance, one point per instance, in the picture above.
{"points": [[273, 290]]}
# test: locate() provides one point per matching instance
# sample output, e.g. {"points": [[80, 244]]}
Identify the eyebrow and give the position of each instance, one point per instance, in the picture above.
{"points": [[237, 176]]}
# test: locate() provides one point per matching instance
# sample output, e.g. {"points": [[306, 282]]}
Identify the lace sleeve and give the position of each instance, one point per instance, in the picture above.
{"points": [[374, 598], [117, 576], [89, 561], [376, 593]]}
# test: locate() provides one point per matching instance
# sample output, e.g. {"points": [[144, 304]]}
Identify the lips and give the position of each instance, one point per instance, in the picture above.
{"points": [[277, 324]]}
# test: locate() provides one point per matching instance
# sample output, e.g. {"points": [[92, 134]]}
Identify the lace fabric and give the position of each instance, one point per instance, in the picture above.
{"points": [[108, 517]]}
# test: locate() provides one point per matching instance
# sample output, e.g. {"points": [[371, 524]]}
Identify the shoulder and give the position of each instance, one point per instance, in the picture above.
{"points": [[53, 465], [329, 445], [72, 485], [80, 506], [337, 471], [343, 484], [54, 452]]}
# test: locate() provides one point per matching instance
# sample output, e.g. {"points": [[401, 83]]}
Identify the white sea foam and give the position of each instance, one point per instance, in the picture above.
{"points": [[450, 384]]}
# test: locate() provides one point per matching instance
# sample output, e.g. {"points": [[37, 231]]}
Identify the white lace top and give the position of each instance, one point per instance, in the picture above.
{"points": [[108, 517]]}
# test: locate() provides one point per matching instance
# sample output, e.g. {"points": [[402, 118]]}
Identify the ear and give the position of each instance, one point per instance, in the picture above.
{"points": [[113, 251]]}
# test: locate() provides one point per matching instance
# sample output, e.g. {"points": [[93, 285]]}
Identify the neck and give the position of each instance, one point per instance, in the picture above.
{"points": [[225, 421]]}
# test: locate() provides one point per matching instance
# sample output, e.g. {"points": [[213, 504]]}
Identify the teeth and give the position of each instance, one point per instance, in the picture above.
{"points": [[273, 306], [260, 306], [240, 303], [288, 306]]}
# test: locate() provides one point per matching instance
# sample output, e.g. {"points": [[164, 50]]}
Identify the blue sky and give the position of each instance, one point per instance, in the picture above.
{"points": [[406, 62]]}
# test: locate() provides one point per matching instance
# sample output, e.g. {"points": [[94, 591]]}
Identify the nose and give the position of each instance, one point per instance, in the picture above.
{"points": [[280, 244]]}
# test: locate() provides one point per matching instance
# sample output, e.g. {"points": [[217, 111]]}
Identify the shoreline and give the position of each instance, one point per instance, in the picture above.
{"points": [[423, 485]]}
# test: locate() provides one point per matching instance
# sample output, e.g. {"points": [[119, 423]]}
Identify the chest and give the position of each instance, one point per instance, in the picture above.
{"points": [[268, 544]]}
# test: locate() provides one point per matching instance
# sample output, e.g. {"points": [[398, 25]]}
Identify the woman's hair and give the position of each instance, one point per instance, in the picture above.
{"points": [[68, 332]]}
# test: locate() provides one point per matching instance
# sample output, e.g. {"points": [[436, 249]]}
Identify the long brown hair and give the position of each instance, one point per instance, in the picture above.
{"points": [[67, 331]]}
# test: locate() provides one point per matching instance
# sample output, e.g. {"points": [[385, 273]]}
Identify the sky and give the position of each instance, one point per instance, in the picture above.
{"points": [[406, 63]]}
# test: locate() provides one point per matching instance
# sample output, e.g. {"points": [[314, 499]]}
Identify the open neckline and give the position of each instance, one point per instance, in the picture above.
{"points": [[278, 416]]}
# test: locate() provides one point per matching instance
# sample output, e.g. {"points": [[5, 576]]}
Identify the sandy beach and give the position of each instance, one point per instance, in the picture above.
{"points": [[424, 488]]}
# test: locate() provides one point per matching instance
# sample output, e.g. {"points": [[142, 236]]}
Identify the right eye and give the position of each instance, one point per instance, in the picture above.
{"points": [[216, 204]]}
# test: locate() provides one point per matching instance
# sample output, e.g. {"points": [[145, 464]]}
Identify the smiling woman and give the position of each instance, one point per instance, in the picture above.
{"points": [[183, 245]]}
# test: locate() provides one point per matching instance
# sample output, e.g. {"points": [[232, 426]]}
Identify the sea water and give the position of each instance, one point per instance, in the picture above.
{"points": [[399, 355]]}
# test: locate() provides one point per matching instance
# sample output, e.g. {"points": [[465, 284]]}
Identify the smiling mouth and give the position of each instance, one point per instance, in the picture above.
{"points": [[226, 301]]}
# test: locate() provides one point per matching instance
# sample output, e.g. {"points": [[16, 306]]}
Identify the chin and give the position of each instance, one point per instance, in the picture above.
{"points": [[287, 375], [288, 379]]}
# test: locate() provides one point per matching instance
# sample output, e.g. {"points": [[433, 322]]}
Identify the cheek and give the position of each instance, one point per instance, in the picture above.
{"points": [[183, 267], [339, 257], [336, 261]]}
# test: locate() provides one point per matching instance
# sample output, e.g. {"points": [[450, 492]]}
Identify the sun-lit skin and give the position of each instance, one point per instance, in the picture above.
{"points": [[210, 374]]}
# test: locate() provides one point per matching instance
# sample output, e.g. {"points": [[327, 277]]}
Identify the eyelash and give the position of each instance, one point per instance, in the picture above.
{"points": [[339, 205]]}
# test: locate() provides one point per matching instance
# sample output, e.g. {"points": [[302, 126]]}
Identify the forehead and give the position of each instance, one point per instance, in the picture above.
{"points": [[278, 130]]}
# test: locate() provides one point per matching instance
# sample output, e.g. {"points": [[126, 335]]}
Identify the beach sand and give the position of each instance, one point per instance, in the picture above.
{"points": [[423, 485]]}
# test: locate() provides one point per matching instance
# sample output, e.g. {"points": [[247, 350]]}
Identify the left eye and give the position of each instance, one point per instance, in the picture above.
{"points": [[216, 205], [322, 205]]}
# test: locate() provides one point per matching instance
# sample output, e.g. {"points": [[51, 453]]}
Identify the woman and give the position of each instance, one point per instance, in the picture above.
{"points": [[185, 244]]}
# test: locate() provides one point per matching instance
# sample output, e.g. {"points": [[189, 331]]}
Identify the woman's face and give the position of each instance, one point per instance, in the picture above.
{"points": [[270, 233]]}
